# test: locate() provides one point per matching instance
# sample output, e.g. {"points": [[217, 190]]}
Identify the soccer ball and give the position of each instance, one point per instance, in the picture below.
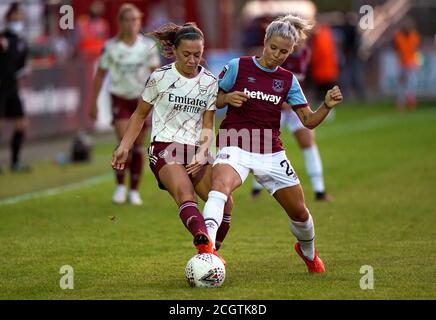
{"points": [[205, 270]]}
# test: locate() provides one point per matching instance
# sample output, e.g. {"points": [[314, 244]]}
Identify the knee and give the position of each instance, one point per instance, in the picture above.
{"points": [[299, 213], [222, 185], [306, 144], [140, 140], [138, 149], [306, 140], [184, 194], [228, 207]]}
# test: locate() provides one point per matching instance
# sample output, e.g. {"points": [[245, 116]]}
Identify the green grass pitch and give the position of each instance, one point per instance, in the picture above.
{"points": [[379, 166]]}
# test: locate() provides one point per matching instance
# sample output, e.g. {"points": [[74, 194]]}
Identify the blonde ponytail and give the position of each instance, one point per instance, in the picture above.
{"points": [[290, 27]]}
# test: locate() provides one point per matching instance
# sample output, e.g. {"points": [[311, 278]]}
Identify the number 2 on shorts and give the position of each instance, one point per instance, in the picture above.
{"points": [[289, 171]]}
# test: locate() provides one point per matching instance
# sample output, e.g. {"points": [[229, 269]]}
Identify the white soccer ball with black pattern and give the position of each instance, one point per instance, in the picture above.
{"points": [[205, 270]]}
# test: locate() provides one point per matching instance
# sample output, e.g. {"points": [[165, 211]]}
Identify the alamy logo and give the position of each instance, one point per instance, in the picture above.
{"points": [[262, 96], [67, 20], [67, 280]]}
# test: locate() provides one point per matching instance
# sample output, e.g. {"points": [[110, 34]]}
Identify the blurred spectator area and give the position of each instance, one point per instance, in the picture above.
{"points": [[57, 85], [366, 58], [57, 88]]}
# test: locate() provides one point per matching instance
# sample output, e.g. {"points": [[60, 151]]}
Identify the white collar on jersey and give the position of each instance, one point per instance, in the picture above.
{"points": [[173, 65]]}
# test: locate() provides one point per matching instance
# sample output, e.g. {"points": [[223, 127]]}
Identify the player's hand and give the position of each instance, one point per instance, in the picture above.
{"points": [[197, 163], [286, 107], [119, 158], [236, 98], [333, 97], [93, 111]]}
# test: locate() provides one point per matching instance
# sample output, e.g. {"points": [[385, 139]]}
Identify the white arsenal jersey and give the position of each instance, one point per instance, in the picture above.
{"points": [[179, 103], [129, 66]]}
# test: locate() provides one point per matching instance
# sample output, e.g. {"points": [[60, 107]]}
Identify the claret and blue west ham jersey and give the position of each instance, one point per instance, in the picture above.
{"points": [[260, 114]]}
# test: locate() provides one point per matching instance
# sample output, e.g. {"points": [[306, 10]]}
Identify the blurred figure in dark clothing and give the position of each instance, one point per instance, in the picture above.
{"points": [[351, 65], [13, 55]]}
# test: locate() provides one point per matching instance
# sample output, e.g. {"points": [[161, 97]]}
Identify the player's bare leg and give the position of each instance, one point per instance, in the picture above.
{"points": [[301, 226], [120, 194], [312, 161], [179, 185], [136, 167]]}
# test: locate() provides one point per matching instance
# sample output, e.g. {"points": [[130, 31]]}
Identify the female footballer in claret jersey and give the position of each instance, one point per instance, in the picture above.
{"points": [[129, 58], [298, 63], [255, 88], [182, 99]]}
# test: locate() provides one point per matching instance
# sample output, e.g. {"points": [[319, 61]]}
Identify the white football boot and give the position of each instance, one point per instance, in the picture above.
{"points": [[119, 196], [135, 198]]}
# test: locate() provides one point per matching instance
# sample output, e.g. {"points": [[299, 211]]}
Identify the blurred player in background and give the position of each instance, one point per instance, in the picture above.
{"points": [[129, 59], [254, 89], [182, 97], [297, 63], [407, 42], [13, 55], [93, 31], [324, 67]]}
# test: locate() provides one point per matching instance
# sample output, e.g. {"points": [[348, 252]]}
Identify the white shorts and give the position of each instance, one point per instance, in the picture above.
{"points": [[272, 170], [290, 118]]}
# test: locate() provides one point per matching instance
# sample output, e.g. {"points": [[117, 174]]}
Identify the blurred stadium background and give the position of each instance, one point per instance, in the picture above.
{"points": [[57, 104], [369, 151]]}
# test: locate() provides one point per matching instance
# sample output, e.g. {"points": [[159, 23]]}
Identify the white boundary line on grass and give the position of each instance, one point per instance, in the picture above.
{"points": [[56, 190], [367, 124]]}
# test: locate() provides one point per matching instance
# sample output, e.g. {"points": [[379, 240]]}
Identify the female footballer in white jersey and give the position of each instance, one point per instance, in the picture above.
{"points": [[255, 89], [182, 99], [129, 59]]}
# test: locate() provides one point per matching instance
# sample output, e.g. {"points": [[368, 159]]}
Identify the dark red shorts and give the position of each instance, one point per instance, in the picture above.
{"points": [[164, 153], [10, 104], [123, 109]]}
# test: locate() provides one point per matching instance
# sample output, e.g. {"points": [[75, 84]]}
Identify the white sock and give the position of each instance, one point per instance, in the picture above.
{"points": [[120, 188], [312, 161], [213, 213], [305, 234]]}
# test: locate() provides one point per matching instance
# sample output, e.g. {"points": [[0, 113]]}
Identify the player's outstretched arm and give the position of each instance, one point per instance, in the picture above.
{"points": [[134, 127], [311, 119]]}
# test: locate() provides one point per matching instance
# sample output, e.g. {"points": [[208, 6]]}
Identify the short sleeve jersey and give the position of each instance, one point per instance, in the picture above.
{"points": [[179, 103], [260, 114], [129, 66]]}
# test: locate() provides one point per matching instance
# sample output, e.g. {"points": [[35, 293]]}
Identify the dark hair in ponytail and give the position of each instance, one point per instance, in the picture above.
{"points": [[170, 35]]}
